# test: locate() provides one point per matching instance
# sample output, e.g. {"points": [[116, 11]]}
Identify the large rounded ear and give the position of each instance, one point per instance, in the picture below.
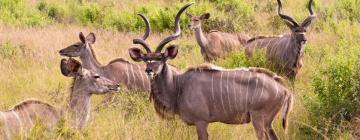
{"points": [[91, 38], [171, 52], [205, 16], [70, 67], [136, 54], [82, 37], [289, 24], [307, 21], [189, 15]]}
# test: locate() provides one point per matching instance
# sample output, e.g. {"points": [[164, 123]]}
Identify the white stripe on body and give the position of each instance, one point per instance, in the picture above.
{"points": [[132, 73], [6, 127], [127, 74], [142, 78], [18, 119], [227, 91], [247, 92], [262, 88], [221, 94]]}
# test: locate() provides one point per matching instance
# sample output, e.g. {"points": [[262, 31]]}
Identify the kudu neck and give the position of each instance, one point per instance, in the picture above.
{"points": [[89, 60], [79, 106], [164, 91], [200, 37]]}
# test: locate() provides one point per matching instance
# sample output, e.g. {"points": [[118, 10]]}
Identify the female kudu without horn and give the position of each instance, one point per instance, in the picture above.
{"points": [[208, 93]]}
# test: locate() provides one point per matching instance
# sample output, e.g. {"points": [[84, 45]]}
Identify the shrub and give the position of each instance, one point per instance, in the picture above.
{"points": [[8, 51], [337, 89]]}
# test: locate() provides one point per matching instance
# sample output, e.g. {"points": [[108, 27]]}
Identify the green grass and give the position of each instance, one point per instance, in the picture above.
{"points": [[32, 32]]}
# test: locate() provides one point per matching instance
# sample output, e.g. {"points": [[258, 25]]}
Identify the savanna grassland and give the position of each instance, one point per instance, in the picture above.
{"points": [[327, 89]]}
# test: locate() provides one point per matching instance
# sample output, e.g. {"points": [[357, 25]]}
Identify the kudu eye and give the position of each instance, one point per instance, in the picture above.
{"points": [[97, 76]]}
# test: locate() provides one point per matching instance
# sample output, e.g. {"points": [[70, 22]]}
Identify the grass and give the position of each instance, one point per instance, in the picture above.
{"points": [[31, 38]]}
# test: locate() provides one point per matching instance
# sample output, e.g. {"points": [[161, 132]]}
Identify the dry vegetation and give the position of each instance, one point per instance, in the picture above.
{"points": [[29, 65]]}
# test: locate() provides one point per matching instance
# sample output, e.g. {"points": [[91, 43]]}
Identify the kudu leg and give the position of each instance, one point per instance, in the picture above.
{"points": [[258, 123], [269, 128], [201, 128]]}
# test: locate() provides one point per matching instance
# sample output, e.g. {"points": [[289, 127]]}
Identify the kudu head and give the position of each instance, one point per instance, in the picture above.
{"points": [[76, 50], [298, 30], [86, 80], [155, 61], [195, 21]]}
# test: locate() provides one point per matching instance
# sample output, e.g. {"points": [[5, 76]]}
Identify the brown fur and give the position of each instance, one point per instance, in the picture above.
{"points": [[269, 73], [118, 60], [203, 67], [261, 37], [29, 101]]}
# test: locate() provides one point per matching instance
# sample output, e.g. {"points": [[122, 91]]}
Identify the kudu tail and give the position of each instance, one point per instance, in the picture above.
{"points": [[285, 111]]}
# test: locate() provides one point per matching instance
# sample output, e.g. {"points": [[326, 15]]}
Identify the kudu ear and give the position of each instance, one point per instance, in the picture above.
{"points": [[82, 37], [307, 22], [136, 54], [70, 67], [91, 38], [205, 16], [189, 15], [289, 24], [171, 51]]}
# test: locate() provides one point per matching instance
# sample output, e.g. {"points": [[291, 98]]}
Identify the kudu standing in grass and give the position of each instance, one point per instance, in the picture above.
{"points": [[285, 51], [23, 116], [206, 94], [215, 44], [119, 70]]}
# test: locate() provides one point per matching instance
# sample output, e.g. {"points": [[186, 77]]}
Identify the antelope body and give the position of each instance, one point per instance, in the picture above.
{"points": [[215, 44], [206, 94], [22, 117], [285, 51], [119, 70]]}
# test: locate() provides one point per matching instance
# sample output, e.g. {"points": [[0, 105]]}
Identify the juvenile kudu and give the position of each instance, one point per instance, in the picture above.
{"points": [[23, 116], [119, 70], [207, 94], [215, 44], [285, 51]]}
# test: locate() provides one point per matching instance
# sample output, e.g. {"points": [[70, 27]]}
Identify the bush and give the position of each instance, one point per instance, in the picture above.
{"points": [[337, 89]]}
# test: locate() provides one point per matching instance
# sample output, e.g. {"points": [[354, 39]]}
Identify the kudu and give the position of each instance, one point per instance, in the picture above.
{"points": [[119, 70], [285, 51], [206, 94], [23, 116], [215, 44], [85, 84]]}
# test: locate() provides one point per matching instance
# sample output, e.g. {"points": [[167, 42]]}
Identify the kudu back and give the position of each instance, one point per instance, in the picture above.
{"points": [[285, 51], [23, 116], [215, 44], [206, 94]]}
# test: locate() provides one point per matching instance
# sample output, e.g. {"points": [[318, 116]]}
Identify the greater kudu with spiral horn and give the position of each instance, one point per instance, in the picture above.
{"points": [[285, 51], [207, 93], [119, 70]]}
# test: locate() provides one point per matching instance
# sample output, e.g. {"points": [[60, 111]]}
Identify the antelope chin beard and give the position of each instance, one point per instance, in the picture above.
{"points": [[151, 75]]}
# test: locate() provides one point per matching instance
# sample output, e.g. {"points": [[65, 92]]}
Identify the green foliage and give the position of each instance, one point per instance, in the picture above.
{"points": [[15, 12], [337, 89], [239, 59], [8, 50]]}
